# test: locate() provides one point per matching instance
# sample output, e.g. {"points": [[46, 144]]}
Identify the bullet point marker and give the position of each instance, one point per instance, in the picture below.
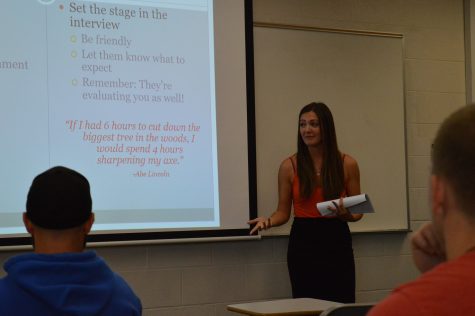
{"points": [[74, 82], [73, 54], [73, 38]]}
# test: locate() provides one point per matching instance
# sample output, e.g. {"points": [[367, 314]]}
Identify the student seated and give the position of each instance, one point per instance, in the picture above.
{"points": [[60, 278], [444, 250]]}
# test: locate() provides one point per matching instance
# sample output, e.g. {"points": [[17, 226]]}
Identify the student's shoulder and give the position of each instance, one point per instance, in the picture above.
{"points": [[396, 304], [7, 298]]}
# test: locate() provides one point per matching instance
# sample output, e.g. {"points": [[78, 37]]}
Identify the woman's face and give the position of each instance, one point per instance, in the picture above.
{"points": [[309, 126]]}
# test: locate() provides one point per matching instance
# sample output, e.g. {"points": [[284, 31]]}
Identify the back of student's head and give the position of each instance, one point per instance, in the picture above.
{"points": [[59, 198], [453, 156]]}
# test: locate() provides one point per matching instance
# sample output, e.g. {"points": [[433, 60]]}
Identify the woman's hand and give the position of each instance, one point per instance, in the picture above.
{"points": [[282, 214], [261, 223], [341, 212]]}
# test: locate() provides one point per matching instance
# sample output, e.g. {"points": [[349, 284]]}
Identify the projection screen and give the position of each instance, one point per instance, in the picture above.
{"points": [[151, 100]]}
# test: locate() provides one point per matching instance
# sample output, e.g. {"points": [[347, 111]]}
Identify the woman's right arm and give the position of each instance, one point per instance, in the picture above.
{"points": [[282, 213]]}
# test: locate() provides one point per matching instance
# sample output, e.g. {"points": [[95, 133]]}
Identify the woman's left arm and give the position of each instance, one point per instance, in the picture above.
{"points": [[352, 172], [352, 186]]}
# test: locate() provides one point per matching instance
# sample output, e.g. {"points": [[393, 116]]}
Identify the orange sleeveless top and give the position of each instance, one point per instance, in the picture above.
{"points": [[307, 207]]}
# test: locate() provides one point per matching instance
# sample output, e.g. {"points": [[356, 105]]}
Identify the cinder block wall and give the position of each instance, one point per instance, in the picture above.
{"points": [[201, 279]]}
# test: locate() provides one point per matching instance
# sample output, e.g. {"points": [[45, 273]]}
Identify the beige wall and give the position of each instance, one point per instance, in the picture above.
{"points": [[201, 279]]}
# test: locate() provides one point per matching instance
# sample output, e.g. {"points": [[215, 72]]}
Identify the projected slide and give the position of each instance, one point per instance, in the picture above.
{"points": [[122, 91]]}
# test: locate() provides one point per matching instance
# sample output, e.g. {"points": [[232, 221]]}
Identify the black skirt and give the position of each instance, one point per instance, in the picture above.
{"points": [[320, 260]]}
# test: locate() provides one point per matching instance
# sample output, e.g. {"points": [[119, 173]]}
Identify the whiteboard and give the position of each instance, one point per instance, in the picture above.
{"points": [[359, 75]]}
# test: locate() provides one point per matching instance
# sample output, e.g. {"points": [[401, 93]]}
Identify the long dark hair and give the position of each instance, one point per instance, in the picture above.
{"points": [[332, 166]]}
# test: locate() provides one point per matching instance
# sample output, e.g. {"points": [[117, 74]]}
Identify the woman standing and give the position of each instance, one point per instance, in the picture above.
{"points": [[320, 254]]}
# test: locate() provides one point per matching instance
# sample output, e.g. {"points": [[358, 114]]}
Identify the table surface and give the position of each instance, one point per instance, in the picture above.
{"points": [[292, 306]]}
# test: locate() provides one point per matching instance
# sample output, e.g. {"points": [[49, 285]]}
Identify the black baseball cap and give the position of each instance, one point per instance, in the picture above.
{"points": [[59, 198]]}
